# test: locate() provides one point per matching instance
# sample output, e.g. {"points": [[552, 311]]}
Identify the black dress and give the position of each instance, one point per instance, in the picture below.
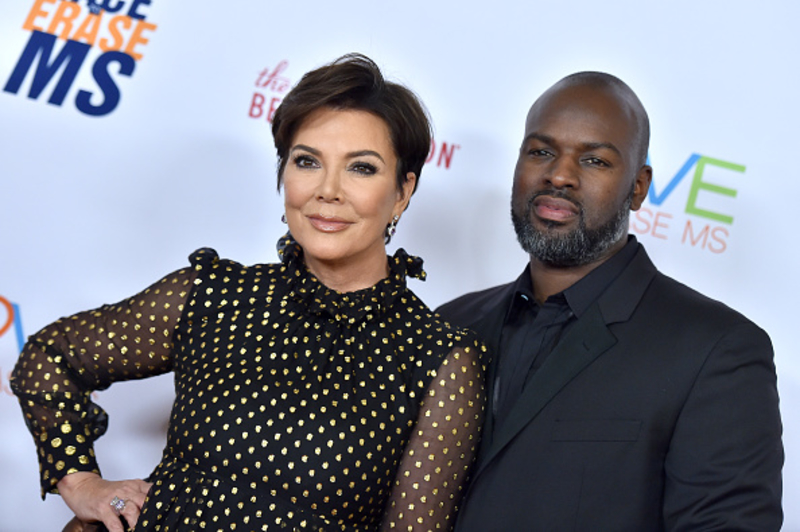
{"points": [[297, 407]]}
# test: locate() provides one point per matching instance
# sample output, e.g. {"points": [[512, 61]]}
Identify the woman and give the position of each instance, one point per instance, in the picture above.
{"points": [[317, 393]]}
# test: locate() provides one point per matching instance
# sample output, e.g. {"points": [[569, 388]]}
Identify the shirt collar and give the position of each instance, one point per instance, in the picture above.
{"points": [[583, 293], [523, 296]]}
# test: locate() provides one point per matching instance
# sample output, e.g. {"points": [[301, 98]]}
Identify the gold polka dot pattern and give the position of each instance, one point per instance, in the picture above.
{"points": [[297, 407]]}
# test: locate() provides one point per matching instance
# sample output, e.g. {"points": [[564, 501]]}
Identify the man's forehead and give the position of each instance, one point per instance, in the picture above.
{"points": [[592, 107], [582, 106]]}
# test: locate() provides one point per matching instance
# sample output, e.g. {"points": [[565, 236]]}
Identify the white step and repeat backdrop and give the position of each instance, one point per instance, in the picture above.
{"points": [[135, 131]]}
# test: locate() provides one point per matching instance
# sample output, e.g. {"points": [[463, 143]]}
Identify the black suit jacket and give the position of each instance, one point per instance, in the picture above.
{"points": [[657, 410]]}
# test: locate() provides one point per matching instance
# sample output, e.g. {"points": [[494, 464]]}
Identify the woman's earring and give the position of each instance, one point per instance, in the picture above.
{"points": [[283, 218], [391, 229]]}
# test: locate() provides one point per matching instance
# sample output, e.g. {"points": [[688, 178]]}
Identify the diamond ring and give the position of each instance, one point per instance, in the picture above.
{"points": [[118, 505]]}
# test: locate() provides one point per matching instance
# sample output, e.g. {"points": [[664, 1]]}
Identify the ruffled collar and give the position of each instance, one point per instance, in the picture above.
{"points": [[348, 307]]}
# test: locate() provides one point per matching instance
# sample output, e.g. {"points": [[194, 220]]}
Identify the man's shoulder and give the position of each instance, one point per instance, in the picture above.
{"points": [[686, 304], [467, 309], [645, 290]]}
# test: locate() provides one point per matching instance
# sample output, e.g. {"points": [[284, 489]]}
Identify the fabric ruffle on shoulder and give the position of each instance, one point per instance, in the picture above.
{"points": [[350, 307], [203, 257]]}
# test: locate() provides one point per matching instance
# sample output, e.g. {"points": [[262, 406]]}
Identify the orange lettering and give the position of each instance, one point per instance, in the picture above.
{"points": [[67, 12], [88, 29], [136, 38], [9, 312], [113, 27], [36, 12]]}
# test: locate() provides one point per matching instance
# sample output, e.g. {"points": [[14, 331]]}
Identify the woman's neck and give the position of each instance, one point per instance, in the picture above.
{"points": [[349, 276]]}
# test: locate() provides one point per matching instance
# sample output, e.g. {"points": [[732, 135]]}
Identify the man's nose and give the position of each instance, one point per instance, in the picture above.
{"points": [[564, 172]]}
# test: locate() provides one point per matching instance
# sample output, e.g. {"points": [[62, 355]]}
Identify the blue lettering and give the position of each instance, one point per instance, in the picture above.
{"points": [[133, 13], [18, 327], [106, 83], [41, 44], [656, 198], [109, 6]]}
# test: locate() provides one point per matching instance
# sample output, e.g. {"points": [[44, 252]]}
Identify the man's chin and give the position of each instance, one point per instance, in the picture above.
{"points": [[551, 227]]}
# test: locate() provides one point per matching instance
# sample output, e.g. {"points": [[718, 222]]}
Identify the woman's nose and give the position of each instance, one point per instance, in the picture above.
{"points": [[330, 186]]}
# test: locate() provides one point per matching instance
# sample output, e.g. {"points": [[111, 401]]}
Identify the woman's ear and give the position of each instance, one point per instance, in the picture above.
{"points": [[405, 192]]}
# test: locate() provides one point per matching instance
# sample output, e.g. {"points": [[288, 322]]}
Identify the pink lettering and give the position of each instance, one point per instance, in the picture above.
{"points": [[657, 223], [272, 80], [273, 106], [257, 105], [445, 155]]}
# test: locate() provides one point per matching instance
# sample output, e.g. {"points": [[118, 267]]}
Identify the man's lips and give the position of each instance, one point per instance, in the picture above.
{"points": [[328, 224], [554, 209]]}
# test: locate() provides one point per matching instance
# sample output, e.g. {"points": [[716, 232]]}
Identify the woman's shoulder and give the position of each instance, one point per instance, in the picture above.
{"points": [[226, 279], [208, 260], [444, 332]]}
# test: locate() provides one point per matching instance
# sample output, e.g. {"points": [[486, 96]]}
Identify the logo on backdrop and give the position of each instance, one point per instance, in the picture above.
{"points": [[272, 85], [704, 221], [105, 38], [11, 339]]}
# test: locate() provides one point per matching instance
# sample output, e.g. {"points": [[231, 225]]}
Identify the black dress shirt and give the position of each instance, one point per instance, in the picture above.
{"points": [[531, 331]]}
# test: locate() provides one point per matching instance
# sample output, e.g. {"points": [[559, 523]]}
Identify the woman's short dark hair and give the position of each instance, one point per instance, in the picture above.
{"points": [[355, 82]]}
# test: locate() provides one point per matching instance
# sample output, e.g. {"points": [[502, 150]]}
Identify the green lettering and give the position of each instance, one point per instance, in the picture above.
{"points": [[698, 184]]}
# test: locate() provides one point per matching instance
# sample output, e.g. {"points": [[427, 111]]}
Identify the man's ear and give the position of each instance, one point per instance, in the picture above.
{"points": [[641, 186]]}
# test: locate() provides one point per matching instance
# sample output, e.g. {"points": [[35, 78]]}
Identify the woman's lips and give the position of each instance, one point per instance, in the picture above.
{"points": [[328, 224], [555, 209]]}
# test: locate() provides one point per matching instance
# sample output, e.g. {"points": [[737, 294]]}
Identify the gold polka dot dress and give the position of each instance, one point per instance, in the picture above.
{"points": [[297, 407]]}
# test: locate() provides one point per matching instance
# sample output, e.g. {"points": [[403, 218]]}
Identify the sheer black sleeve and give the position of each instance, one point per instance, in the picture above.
{"points": [[62, 364], [434, 470]]}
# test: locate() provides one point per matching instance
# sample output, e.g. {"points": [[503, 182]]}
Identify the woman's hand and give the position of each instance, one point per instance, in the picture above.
{"points": [[90, 497]]}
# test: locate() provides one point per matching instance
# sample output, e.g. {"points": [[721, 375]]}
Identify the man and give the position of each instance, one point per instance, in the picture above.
{"points": [[620, 399]]}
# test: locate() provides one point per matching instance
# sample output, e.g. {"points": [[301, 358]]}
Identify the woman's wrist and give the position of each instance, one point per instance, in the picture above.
{"points": [[71, 480]]}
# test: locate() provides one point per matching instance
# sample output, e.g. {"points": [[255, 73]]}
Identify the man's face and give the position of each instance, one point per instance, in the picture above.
{"points": [[577, 176]]}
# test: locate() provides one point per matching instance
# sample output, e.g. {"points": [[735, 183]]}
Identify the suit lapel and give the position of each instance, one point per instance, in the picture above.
{"points": [[583, 343], [490, 327]]}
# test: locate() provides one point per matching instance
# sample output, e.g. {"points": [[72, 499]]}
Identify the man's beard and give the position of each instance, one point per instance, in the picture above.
{"points": [[578, 247]]}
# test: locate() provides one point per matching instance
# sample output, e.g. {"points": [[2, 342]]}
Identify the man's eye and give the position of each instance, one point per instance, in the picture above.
{"points": [[538, 153], [594, 161], [364, 168]]}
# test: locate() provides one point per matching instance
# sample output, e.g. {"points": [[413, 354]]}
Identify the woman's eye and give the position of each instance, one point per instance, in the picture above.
{"points": [[364, 168], [305, 161]]}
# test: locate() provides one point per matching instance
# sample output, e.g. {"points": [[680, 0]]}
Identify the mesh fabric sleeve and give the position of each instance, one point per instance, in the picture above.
{"points": [[62, 364], [434, 470]]}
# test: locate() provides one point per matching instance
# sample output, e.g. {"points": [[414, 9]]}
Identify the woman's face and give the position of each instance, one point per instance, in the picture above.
{"points": [[341, 192]]}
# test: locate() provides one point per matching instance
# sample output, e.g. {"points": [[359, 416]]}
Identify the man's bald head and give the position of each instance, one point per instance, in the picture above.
{"points": [[581, 169], [629, 104]]}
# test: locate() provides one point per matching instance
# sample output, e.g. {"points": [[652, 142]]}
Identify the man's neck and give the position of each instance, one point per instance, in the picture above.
{"points": [[549, 280]]}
